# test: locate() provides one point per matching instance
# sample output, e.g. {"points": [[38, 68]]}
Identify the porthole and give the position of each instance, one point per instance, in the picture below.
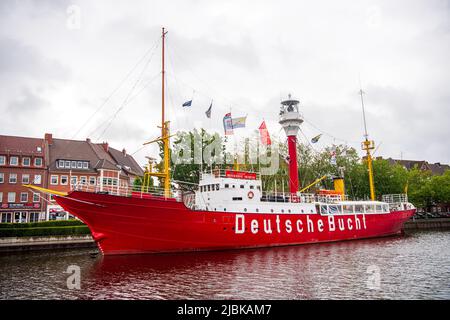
{"points": [[289, 210], [257, 210], [303, 211], [245, 209], [271, 210], [282, 210]]}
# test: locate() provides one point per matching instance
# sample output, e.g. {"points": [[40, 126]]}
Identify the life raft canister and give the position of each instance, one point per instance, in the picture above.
{"points": [[250, 194]]}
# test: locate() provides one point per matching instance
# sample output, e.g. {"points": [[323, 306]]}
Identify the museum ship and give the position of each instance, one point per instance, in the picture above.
{"points": [[229, 209]]}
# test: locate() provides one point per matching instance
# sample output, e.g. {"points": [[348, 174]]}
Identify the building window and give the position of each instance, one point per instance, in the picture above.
{"points": [[35, 197], [73, 165], [13, 178], [83, 180], [26, 162], [73, 180], [11, 197], [92, 181], [64, 180], [38, 162], [24, 197], [67, 164], [2, 177], [37, 179], [14, 161], [85, 165], [34, 216], [61, 163], [54, 179], [7, 217], [227, 185], [26, 178], [80, 165], [2, 160], [1, 197]]}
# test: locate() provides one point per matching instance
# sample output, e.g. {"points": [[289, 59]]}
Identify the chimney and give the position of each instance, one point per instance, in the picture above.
{"points": [[124, 152], [88, 140], [49, 138], [105, 146]]}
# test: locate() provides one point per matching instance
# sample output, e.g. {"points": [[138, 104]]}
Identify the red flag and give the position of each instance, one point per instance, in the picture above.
{"points": [[264, 134]]}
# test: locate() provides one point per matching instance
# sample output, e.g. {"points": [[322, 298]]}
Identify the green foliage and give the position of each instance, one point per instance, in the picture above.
{"points": [[45, 228], [43, 224]]}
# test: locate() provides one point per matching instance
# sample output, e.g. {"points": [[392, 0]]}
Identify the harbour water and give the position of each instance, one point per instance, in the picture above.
{"points": [[414, 266]]}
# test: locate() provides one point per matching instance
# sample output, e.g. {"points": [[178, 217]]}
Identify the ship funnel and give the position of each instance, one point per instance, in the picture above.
{"points": [[290, 120]]}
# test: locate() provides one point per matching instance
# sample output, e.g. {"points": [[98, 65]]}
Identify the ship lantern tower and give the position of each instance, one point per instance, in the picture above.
{"points": [[290, 120]]}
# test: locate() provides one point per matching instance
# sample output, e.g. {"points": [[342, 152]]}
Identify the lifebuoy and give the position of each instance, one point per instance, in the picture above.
{"points": [[250, 194]]}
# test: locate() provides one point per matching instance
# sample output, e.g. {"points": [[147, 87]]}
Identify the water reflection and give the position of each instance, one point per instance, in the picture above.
{"points": [[415, 266]]}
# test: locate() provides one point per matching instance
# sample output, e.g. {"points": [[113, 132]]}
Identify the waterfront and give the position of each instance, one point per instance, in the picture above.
{"points": [[415, 266]]}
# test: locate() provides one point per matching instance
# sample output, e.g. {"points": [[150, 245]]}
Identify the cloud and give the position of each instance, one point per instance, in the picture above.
{"points": [[245, 56]]}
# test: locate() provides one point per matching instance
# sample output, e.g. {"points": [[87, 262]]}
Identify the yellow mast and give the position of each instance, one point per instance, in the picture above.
{"points": [[368, 145], [165, 133]]}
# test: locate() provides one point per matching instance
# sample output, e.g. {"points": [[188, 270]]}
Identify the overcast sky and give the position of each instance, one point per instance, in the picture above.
{"points": [[60, 61]]}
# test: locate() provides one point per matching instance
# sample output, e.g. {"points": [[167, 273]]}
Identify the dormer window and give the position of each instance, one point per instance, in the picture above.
{"points": [[26, 162], [13, 161], [38, 162]]}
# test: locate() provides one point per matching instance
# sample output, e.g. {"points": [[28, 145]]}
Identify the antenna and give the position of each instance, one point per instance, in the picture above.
{"points": [[367, 146], [361, 93]]}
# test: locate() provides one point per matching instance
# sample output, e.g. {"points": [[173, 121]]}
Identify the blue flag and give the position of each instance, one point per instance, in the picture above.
{"points": [[187, 103], [208, 112]]}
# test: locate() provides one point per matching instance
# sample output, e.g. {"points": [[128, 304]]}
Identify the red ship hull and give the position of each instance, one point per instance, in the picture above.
{"points": [[124, 225]]}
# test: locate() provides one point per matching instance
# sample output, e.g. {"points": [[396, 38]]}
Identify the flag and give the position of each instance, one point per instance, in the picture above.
{"points": [[316, 138], [264, 134], [228, 124], [333, 157], [187, 103], [238, 122], [208, 112]]}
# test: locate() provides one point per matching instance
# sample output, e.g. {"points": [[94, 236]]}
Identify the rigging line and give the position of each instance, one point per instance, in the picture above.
{"points": [[169, 54], [129, 100], [328, 134], [206, 83], [121, 83], [125, 101]]}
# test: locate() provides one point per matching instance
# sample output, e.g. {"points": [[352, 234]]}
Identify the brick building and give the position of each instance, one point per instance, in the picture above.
{"points": [[22, 161], [63, 165]]}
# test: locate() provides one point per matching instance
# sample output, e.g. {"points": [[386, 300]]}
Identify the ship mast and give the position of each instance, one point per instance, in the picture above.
{"points": [[165, 133], [368, 145]]}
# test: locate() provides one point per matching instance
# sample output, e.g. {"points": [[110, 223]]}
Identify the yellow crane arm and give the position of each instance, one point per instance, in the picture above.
{"points": [[315, 182], [58, 193]]}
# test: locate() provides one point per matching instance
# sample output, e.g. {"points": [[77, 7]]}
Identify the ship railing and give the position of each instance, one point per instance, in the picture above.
{"points": [[125, 191], [395, 198], [271, 196], [397, 202]]}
